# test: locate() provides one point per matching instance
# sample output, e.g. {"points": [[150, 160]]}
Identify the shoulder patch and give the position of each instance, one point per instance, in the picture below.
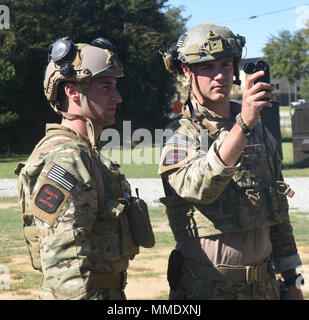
{"points": [[52, 194], [62, 177], [173, 157], [49, 198]]}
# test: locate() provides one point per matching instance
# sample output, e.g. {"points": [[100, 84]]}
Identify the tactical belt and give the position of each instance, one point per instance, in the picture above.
{"points": [[108, 280], [227, 273]]}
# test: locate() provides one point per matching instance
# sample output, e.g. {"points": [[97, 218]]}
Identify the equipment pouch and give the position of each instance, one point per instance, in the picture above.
{"points": [[278, 205], [138, 215], [111, 237], [174, 268], [29, 228]]}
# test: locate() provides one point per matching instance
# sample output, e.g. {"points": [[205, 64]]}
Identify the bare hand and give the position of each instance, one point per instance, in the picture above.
{"points": [[252, 99]]}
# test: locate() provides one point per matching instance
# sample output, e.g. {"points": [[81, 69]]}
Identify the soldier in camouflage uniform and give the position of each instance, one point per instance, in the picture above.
{"points": [[225, 196], [76, 205]]}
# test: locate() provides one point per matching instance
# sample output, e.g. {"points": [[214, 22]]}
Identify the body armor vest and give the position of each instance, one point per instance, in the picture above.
{"points": [[111, 237], [252, 199]]}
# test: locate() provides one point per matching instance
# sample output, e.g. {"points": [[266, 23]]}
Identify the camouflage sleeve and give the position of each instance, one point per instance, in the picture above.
{"points": [[195, 173], [64, 203], [285, 256]]}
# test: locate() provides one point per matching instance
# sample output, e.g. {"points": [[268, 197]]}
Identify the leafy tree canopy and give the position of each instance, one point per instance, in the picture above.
{"points": [[138, 28]]}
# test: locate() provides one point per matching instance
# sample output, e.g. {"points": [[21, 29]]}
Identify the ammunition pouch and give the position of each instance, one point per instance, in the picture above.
{"points": [[138, 215], [111, 237], [233, 211]]}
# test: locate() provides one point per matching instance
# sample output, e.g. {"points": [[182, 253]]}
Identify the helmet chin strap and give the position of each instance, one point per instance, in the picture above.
{"points": [[89, 124], [197, 86]]}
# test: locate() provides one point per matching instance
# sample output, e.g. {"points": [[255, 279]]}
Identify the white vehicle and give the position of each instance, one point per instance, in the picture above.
{"points": [[298, 102]]}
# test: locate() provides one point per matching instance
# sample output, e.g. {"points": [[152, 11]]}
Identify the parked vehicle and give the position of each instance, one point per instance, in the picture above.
{"points": [[297, 103]]}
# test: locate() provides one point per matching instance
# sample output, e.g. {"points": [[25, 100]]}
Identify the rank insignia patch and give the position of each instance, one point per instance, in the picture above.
{"points": [[49, 198], [62, 177]]}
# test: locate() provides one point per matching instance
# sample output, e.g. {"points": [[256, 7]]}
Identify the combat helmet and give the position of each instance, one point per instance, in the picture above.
{"points": [[80, 63], [204, 43]]}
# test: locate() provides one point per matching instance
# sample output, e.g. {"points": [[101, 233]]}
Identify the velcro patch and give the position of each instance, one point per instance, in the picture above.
{"points": [[62, 177], [174, 156], [49, 198]]}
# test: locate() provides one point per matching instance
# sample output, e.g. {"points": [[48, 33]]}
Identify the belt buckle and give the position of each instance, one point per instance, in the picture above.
{"points": [[253, 273]]}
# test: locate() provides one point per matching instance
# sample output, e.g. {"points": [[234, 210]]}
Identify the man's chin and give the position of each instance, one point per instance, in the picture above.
{"points": [[219, 97]]}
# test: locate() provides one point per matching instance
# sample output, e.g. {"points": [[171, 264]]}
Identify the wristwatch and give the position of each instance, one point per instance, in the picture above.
{"points": [[297, 280], [243, 126]]}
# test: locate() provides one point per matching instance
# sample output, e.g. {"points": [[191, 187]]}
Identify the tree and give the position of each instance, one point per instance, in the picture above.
{"points": [[304, 87], [287, 55], [138, 28]]}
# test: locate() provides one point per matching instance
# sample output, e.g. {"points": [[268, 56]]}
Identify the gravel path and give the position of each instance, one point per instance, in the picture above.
{"points": [[151, 190]]}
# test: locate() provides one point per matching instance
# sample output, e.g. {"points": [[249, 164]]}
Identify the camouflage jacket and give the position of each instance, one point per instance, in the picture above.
{"points": [[64, 197], [205, 197]]}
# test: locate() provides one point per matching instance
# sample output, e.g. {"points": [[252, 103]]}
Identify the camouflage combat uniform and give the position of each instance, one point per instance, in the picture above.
{"points": [[74, 225], [231, 224], [80, 222]]}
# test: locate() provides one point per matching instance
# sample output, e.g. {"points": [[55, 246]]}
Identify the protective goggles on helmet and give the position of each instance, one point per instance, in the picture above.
{"points": [[104, 44], [107, 45], [63, 52]]}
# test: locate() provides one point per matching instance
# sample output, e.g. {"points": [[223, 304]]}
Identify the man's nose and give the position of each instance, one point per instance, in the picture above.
{"points": [[219, 74], [117, 96]]}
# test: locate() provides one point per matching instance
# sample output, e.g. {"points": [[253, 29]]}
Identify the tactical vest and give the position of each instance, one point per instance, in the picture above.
{"points": [[111, 236], [252, 199]]}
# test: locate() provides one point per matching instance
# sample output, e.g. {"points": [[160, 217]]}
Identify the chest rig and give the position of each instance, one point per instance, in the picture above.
{"points": [[253, 198], [111, 237]]}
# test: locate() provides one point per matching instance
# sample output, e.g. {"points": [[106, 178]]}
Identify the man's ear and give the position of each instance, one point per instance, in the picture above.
{"points": [[72, 90], [185, 70]]}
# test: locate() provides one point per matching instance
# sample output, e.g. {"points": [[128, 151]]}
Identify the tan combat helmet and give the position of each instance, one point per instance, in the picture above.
{"points": [[204, 43], [79, 63]]}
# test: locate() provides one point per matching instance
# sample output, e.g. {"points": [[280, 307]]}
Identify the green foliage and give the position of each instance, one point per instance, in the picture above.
{"points": [[304, 88], [287, 55], [138, 28]]}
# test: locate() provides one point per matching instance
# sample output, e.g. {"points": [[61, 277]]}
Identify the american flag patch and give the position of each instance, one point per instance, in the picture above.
{"points": [[62, 177]]}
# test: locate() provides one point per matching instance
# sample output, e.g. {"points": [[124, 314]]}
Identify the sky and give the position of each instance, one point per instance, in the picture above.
{"points": [[235, 15]]}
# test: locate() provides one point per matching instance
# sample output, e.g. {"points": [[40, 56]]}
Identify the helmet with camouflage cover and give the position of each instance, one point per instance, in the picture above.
{"points": [[79, 63], [204, 43]]}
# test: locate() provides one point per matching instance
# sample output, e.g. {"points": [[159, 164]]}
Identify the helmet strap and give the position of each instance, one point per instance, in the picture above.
{"points": [[71, 116], [197, 86], [89, 124]]}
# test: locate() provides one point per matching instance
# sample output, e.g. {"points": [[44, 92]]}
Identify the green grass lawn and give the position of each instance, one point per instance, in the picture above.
{"points": [[9, 162], [24, 281]]}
